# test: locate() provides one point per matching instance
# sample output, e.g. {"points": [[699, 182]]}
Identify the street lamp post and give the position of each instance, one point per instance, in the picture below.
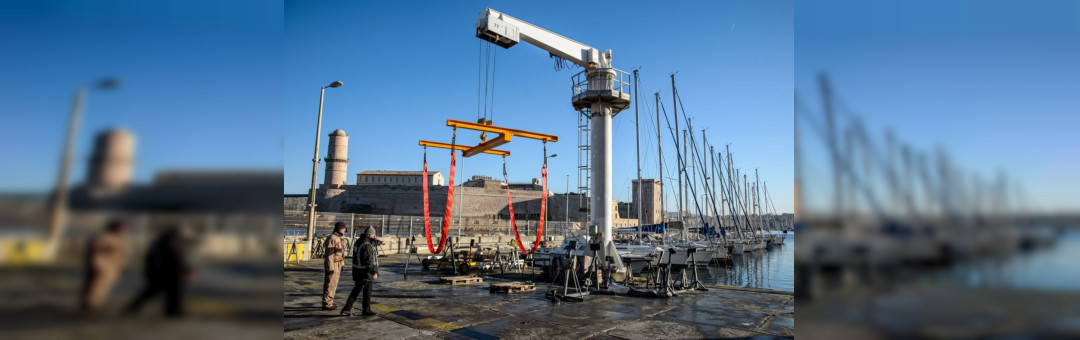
{"points": [[314, 172], [59, 203]]}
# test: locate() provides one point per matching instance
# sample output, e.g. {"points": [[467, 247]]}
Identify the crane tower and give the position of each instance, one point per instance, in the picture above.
{"points": [[599, 93]]}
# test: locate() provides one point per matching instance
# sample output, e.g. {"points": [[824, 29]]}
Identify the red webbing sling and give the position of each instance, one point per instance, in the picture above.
{"points": [[449, 200], [543, 206]]}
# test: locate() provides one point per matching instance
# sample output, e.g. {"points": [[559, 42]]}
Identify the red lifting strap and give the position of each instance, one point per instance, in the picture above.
{"points": [[543, 209], [449, 204]]}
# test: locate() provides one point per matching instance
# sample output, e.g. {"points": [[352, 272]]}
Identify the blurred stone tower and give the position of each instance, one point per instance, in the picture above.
{"points": [[651, 190], [112, 161], [337, 160]]}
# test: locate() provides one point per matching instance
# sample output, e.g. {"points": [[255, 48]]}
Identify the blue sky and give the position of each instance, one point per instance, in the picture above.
{"points": [[201, 84], [994, 83], [407, 67]]}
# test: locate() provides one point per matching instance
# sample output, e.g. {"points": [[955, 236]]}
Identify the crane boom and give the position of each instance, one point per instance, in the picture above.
{"points": [[505, 31]]}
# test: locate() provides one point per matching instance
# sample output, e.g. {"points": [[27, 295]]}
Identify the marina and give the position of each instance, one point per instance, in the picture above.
{"points": [[703, 252]]}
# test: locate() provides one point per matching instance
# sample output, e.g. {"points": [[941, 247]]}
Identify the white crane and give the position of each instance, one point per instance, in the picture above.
{"points": [[599, 92]]}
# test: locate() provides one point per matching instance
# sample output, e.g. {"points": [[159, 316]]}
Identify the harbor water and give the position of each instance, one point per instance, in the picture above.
{"points": [[772, 268], [1050, 268]]}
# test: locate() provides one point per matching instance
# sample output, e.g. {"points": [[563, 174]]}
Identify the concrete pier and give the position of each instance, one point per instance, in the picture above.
{"points": [[419, 306]]}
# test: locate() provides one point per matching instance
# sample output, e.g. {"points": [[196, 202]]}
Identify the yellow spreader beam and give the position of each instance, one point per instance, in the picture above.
{"points": [[505, 135], [461, 147], [488, 147]]}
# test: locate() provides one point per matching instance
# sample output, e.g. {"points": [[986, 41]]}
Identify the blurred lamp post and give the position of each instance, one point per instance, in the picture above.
{"points": [[314, 173], [59, 203]]}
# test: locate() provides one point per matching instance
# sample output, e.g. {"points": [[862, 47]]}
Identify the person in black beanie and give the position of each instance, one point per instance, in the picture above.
{"points": [[365, 270]]}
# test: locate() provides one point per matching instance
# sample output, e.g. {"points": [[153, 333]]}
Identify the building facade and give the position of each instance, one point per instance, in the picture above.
{"points": [[399, 178]]}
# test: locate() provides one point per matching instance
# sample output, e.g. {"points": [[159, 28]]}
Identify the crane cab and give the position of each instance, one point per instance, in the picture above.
{"points": [[496, 31]]}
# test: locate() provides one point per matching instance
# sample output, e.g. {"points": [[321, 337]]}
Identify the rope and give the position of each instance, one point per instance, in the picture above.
{"points": [[494, 67], [543, 206], [479, 80], [449, 200], [487, 71]]}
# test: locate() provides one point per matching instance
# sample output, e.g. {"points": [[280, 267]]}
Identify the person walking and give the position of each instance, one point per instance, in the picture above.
{"points": [[106, 256], [168, 268], [365, 270], [333, 263]]}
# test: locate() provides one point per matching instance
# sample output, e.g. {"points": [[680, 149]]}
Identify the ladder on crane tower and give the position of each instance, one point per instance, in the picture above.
{"points": [[584, 151]]}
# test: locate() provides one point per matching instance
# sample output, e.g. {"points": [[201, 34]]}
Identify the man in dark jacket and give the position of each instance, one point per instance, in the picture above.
{"points": [[168, 267], [365, 270]]}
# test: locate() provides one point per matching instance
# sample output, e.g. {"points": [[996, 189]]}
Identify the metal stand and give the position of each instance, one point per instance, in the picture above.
{"points": [[664, 276], [453, 256], [568, 264], [499, 261], [293, 253], [695, 284], [412, 253], [594, 266]]}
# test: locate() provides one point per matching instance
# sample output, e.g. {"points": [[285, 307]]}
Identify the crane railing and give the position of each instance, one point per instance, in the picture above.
{"points": [[619, 82]]}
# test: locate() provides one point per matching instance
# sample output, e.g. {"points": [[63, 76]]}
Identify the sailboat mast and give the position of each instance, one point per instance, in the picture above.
{"points": [[660, 161], [679, 167], [637, 141], [746, 200], [757, 199], [686, 194], [716, 179], [729, 194], [710, 190]]}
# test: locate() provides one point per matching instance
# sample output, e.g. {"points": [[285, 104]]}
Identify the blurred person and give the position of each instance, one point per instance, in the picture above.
{"points": [[168, 268], [333, 263], [365, 270], [106, 257]]}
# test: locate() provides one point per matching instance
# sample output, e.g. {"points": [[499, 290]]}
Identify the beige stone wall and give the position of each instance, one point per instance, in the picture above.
{"points": [[408, 200]]}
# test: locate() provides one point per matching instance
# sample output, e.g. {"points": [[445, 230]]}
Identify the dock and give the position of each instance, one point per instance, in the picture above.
{"points": [[421, 306]]}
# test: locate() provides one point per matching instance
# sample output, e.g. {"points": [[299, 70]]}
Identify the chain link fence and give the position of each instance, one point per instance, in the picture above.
{"points": [[406, 226]]}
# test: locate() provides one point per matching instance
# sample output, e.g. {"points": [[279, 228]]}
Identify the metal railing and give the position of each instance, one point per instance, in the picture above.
{"points": [[618, 81], [401, 225]]}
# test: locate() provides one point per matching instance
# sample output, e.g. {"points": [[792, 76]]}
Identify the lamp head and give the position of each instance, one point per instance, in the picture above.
{"points": [[108, 83]]}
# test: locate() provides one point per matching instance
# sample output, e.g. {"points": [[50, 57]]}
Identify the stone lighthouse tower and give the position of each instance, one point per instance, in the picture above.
{"points": [[337, 160], [112, 162]]}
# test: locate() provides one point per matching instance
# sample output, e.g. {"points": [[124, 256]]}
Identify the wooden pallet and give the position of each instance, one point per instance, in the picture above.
{"points": [[461, 280], [512, 287]]}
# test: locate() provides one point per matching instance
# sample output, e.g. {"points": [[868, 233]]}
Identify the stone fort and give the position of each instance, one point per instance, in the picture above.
{"points": [[401, 193]]}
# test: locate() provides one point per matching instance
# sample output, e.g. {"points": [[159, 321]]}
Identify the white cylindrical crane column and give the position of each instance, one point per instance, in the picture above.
{"points": [[601, 212]]}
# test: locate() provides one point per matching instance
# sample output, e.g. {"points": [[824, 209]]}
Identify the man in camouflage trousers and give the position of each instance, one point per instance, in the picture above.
{"points": [[365, 270], [333, 262]]}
